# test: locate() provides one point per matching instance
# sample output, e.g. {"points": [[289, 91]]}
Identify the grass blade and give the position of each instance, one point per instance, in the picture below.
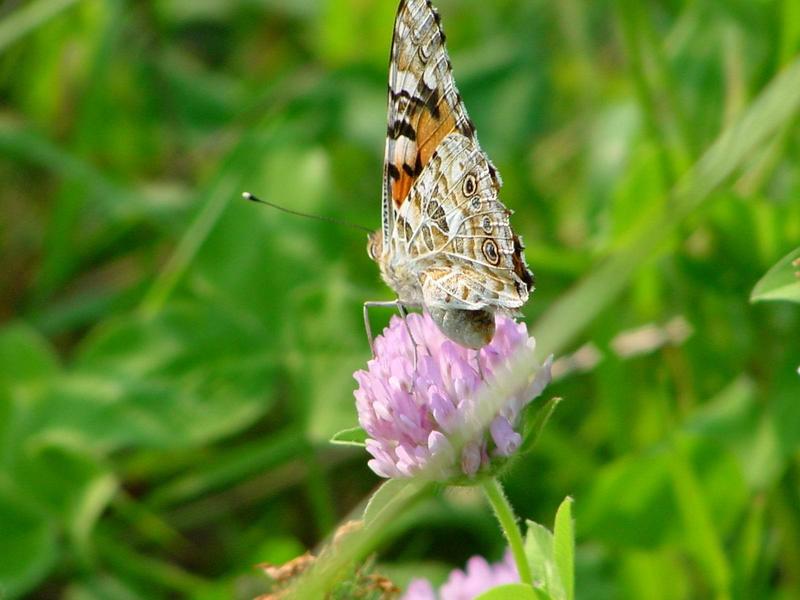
{"points": [[27, 18]]}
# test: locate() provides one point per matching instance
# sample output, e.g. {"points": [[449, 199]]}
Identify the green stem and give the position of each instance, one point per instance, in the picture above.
{"points": [[508, 523]]}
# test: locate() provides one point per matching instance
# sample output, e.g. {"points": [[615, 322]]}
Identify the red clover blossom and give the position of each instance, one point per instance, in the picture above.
{"points": [[411, 412]]}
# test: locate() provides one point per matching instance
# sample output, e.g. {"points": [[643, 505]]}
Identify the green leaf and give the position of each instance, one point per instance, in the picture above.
{"points": [[389, 493], [781, 282], [27, 544], [164, 382], [89, 507], [27, 364], [25, 356], [355, 436], [564, 547], [539, 552], [535, 424], [551, 556], [511, 591], [65, 479]]}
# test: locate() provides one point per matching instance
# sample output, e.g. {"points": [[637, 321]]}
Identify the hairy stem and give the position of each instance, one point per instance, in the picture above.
{"points": [[508, 523]]}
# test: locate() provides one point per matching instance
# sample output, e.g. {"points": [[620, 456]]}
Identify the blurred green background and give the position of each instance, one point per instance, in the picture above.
{"points": [[173, 360]]}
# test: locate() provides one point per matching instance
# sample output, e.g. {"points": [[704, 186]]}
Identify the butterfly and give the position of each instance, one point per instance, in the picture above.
{"points": [[445, 244]]}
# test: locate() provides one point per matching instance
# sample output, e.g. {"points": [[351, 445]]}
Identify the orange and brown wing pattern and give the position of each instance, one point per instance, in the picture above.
{"points": [[424, 104]]}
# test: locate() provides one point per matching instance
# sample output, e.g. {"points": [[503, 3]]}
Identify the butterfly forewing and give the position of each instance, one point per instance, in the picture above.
{"points": [[424, 104]]}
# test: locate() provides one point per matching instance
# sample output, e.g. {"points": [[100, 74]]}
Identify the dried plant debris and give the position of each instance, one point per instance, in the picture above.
{"points": [[362, 584]]}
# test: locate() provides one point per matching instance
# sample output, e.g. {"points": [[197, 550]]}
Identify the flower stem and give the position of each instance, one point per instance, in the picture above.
{"points": [[508, 523]]}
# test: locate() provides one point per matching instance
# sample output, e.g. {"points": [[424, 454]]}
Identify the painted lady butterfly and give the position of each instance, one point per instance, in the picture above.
{"points": [[446, 243]]}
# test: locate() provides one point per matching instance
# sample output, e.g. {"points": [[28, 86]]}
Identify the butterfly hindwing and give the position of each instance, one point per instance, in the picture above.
{"points": [[454, 231]]}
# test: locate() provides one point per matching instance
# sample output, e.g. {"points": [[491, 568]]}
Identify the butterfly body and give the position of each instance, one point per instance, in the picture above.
{"points": [[445, 243]]}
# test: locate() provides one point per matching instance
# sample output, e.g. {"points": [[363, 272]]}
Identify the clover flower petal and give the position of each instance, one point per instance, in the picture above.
{"points": [[410, 406], [478, 577]]}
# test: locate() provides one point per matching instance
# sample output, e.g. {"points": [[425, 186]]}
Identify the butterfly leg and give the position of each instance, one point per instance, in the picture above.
{"points": [[401, 308], [478, 362], [367, 326]]}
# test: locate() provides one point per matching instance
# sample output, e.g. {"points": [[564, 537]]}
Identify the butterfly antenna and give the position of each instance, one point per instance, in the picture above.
{"points": [[257, 200]]}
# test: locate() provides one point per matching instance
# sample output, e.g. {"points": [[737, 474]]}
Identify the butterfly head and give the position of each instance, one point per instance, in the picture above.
{"points": [[375, 245]]}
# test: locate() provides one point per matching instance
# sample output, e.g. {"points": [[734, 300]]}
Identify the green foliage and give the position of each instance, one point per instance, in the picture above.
{"points": [[781, 282], [513, 591], [536, 418], [354, 436], [564, 547], [390, 494], [174, 361], [552, 555]]}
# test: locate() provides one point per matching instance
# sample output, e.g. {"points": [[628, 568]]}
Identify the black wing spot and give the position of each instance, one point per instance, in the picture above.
{"points": [[493, 174], [470, 185], [468, 128], [432, 103], [402, 128], [520, 268], [415, 102], [520, 287], [490, 252], [423, 91]]}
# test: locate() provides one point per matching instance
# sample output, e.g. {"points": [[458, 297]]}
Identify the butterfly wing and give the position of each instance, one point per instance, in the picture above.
{"points": [[446, 236], [454, 233], [424, 104]]}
